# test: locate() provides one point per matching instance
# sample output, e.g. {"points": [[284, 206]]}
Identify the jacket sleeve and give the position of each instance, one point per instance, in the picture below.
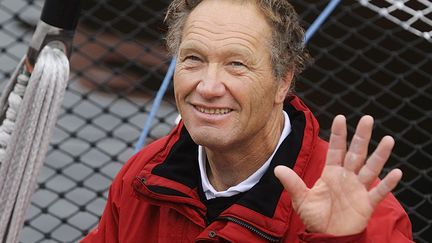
{"points": [[107, 231], [389, 223]]}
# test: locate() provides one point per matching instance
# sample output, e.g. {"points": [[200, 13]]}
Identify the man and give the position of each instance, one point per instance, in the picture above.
{"points": [[239, 166]]}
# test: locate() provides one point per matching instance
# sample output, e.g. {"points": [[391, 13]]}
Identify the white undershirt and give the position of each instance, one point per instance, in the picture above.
{"points": [[249, 182]]}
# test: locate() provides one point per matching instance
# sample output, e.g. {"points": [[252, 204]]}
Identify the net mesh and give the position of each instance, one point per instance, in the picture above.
{"points": [[366, 62], [414, 16]]}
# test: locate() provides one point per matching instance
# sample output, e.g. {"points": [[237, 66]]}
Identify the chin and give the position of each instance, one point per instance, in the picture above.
{"points": [[209, 140], [208, 135]]}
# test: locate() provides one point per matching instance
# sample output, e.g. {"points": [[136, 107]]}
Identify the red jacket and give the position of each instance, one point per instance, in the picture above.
{"points": [[154, 197]]}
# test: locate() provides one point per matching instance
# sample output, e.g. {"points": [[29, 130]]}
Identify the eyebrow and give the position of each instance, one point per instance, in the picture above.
{"points": [[190, 47], [230, 51], [240, 52]]}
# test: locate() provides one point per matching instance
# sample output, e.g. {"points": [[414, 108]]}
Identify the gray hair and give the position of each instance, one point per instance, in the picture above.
{"points": [[287, 48]]}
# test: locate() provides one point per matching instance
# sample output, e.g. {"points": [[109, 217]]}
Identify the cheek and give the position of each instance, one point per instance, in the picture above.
{"points": [[262, 99], [182, 84], [180, 91], [250, 92], [177, 86]]}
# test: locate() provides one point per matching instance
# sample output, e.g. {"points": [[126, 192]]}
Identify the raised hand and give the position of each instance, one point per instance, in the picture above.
{"points": [[343, 199]]}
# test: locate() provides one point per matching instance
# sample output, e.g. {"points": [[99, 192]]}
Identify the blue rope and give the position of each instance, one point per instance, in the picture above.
{"points": [[320, 20], [167, 79], [159, 96]]}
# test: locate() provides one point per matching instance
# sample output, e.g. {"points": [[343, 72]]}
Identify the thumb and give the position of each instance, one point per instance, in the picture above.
{"points": [[295, 186]]}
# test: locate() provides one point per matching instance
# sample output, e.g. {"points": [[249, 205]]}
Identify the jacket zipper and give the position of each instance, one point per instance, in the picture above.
{"points": [[234, 220], [250, 227]]}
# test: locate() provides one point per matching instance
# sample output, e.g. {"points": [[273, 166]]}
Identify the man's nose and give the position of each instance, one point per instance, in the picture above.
{"points": [[211, 85]]}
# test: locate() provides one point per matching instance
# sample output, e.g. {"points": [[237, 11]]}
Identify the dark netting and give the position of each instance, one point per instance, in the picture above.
{"points": [[371, 57]]}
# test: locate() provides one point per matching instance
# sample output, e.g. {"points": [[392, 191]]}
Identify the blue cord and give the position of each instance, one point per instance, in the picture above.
{"points": [[168, 76], [320, 20], [159, 96]]}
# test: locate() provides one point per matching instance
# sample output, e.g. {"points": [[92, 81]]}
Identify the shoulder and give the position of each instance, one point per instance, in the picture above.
{"points": [[138, 161]]}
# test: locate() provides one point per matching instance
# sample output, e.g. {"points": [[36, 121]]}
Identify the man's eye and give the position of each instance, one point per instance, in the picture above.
{"points": [[237, 64], [193, 58]]}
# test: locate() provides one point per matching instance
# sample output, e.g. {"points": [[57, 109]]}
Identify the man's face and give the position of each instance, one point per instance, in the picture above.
{"points": [[224, 85]]}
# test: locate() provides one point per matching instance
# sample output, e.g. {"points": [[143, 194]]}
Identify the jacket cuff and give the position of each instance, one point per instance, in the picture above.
{"points": [[326, 238]]}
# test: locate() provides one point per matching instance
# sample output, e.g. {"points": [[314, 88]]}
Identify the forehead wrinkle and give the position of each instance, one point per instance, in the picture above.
{"points": [[224, 28], [226, 50], [232, 34]]}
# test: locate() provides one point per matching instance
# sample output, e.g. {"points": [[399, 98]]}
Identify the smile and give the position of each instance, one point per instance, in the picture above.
{"points": [[213, 111]]}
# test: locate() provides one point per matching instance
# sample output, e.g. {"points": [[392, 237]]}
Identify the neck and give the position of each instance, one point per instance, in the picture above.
{"points": [[229, 167]]}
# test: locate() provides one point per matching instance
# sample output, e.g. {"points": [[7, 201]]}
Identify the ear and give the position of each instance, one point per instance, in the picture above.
{"points": [[284, 86]]}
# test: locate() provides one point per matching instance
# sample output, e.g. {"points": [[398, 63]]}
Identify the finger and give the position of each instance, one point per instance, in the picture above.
{"points": [[358, 149], [378, 193], [337, 144], [292, 183], [370, 171]]}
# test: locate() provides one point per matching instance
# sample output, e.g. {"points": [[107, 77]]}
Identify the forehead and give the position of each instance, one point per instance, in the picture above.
{"points": [[228, 17]]}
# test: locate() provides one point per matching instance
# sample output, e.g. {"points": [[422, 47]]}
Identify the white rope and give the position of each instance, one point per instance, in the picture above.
{"points": [[418, 17], [15, 99], [25, 134]]}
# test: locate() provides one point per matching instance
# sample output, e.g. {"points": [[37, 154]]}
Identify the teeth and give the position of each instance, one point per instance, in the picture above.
{"points": [[217, 111]]}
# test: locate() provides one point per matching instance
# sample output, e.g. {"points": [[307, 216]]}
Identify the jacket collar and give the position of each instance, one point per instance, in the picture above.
{"points": [[174, 178]]}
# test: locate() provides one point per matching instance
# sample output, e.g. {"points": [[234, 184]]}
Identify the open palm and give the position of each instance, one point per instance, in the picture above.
{"points": [[343, 198]]}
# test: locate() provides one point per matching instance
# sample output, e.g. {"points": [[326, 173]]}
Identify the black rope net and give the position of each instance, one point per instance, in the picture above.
{"points": [[371, 57]]}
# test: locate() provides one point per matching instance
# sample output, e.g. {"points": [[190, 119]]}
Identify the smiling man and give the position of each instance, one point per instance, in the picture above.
{"points": [[226, 92], [246, 163]]}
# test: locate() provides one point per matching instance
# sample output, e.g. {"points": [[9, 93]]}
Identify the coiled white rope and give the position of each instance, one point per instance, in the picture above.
{"points": [[29, 111]]}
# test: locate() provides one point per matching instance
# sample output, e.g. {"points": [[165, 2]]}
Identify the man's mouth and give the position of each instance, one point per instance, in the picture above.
{"points": [[213, 111]]}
